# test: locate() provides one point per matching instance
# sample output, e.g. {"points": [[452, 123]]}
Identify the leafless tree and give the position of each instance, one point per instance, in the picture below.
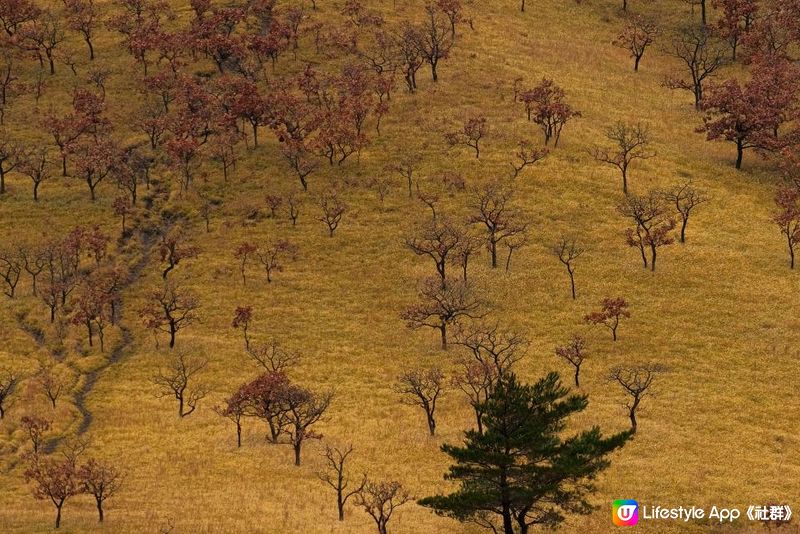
{"points": [[493, 347], [476, 379], [335, 475], [8, 383], [179, 379], [423, 388], [333, 208], [653, 225], [567, 249], [273, 256], [438, 239], [434, 38], [469, 245], [35, 167], [51, 386], [574, 352], [11, 266], [304, 408], [170, 310], [491, 207], [514, 243], [273, 356], [702, 54], [685, 198], [636, 382], [101, 480], [527, 154], [380, 500], [443, 304], [406, 166], [631, 143]]}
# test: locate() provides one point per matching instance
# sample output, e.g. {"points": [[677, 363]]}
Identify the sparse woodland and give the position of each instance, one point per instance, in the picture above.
{"points": [[308, 265]]}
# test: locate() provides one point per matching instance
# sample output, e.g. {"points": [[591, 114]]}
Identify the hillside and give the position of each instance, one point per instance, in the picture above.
{"points": [[717, 314]]}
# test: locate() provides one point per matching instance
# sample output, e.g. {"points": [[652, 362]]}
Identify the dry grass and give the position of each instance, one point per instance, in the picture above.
{"points": [[718, 313]]}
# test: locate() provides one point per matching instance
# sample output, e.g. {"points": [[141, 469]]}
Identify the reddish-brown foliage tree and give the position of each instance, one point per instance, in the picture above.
{"points": [[750, 116], [51, 386], [234, 408], [94, 161], [122, 209], [264, 400], [243, 253], [82, 18], [637, 35], [101, 480], [612, 310], [41, 36], [174, 249], [546, 106], [11, 155], [423, 388], [35, 427], [474, 129], [54, 480], [178, 379], [574, 352], [91, 309], [787, 216], [17, 13], [241, 319], [735, 20]]}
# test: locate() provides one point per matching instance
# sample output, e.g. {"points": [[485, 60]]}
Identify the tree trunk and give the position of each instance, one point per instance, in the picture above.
{"points": [[636, 63], [58, 514], [297, 446], [443, 330], [653, 260], [431, 423], [739, 154], [493, 247], [572, 281], [172, 332], [238, 434], [683, 229], [100, 510], [340, 503], [791, 253]]}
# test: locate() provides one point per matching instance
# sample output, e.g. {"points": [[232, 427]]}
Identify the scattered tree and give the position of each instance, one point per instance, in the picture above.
{"points": [[574, 352], [380, 500], [178, 379], [169, 310], [702, 55], [653, 225], [8, 383], [422, 387], [101, 480], [567, 249], [638, 34], [335, 475], [631, 143], [491, 207], [474, 129], [520, 468], [685, 198], [612, 310], [333, 209], [636, 382]]}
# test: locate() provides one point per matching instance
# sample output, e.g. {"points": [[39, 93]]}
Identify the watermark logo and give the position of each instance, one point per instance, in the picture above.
{"points": [[625, 512]]}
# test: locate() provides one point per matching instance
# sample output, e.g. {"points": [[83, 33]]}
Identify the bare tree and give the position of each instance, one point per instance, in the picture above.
{"points": [[333, 208], [512, 244], [443, 304], [35, 167], [574, 352], [35, 427], [469, 245], [491, 208], [653, 225], [434, 38], [476, 379], [637, 35], [636, 381], [422, 387], [170, 310], [51, 386], [493, 347], [380, 500], [406, 166], [8, 383], [304, 408], [179, 379], [702, 54], [685, 198], [335, 475], [273, 256], [527, 154], [567, 249], [273, 356], [11, 266], [631, 143], [438, 239]]}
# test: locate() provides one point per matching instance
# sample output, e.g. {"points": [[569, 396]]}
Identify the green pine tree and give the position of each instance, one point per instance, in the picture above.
{"points": [[520, 468]]}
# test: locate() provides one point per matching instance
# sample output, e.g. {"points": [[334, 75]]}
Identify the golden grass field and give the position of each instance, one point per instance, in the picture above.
{"points": [[720, 312]]}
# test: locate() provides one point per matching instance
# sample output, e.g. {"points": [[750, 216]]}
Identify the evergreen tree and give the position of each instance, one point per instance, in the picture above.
{"points": [[520, 468]]}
